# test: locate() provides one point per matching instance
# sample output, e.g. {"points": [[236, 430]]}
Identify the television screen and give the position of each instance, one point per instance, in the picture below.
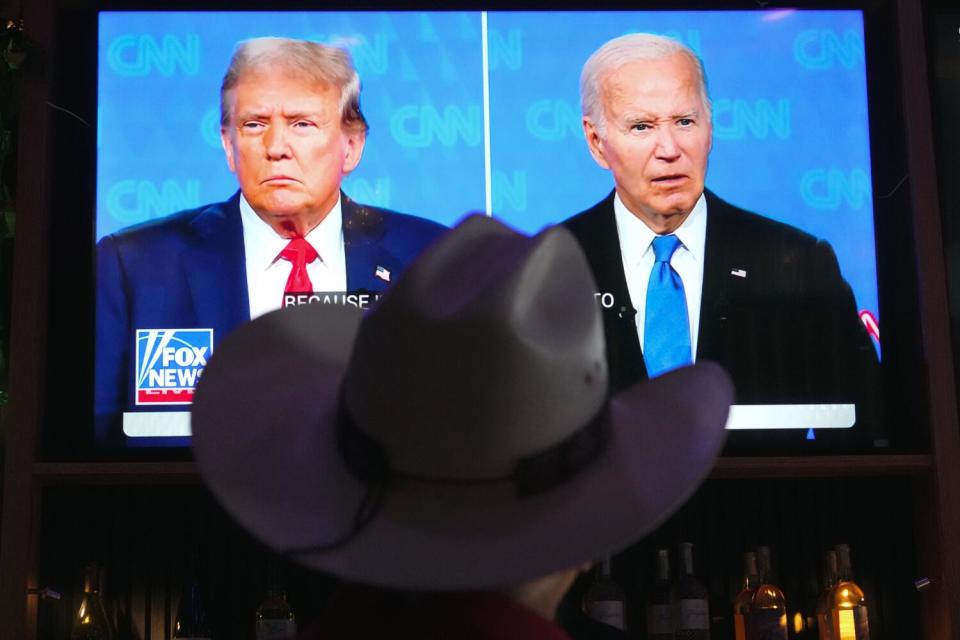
{"points": [[480, 111]]}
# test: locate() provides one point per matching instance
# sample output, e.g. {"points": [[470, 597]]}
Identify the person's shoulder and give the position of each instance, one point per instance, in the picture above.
{"points": [[751, 226], [588, 219], [378, 220], [745, 221], [594, 228], [411, 222], [781, 250], [171, 227]]}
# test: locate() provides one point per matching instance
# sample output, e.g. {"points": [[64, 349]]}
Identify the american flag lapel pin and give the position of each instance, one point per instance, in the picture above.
{"points": [[740, 273], [382, 273]]}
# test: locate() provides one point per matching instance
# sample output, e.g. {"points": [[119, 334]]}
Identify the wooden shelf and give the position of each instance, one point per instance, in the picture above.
{"points": [[116, 473], [822, 466], [734, 467]]}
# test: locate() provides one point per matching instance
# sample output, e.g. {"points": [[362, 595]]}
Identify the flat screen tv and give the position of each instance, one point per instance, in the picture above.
{"points": [[479, 110]]}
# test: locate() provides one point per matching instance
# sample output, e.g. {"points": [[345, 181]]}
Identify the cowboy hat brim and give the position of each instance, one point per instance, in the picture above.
{"points": [[264, 421]]}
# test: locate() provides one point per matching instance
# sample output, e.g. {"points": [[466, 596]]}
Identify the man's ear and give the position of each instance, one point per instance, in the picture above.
{"points": [[354, 149], [710, 133], [227, 143], [594, 141]]}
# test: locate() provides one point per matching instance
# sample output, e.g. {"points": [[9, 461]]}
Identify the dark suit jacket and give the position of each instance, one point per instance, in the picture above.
{"points": [[788, 332], [188, 271]]}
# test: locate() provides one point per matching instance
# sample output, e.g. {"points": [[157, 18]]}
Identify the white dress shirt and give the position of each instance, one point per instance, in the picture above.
{"points": [[636, 247], [267, 273]]}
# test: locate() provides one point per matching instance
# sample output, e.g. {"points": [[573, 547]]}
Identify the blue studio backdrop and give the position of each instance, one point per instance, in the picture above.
{"points": [[478, 111]]}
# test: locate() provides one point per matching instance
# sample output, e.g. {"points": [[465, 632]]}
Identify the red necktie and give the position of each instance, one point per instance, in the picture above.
{"points": [[300, 253]]}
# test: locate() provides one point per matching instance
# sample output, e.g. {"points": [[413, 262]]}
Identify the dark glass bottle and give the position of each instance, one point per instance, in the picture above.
{"points": [[658, 609], [274, 618], [604, 601], [691, 601], [741, 604], [192, 621], [803, 624], [91, 621]]}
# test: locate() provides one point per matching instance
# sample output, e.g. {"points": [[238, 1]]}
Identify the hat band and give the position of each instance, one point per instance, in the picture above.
{"points": [[369, 462]]}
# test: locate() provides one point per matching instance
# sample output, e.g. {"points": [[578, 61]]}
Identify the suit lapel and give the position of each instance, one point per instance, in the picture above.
{"points": [[599, 234], [723, 256], [607, 264], [370, 266], [216, 269]]}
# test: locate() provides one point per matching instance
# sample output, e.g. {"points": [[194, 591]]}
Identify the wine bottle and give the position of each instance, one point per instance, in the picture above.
{"points": [[824, 622], [604, 601], [91, 621], [741, 604], [274, 618], [768, 607], [804, 621], [691, 602], [192, 621], [659, 616], [848, 607]]}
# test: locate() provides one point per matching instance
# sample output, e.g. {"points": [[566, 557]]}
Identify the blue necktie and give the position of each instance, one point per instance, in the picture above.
{"points": [[666, 330]]}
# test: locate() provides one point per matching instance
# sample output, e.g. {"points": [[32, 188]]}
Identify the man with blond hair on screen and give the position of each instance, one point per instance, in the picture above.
{"points": [[292, 129]]}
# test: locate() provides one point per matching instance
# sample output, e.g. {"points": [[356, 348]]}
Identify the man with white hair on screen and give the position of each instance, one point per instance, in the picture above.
{"points": [[694, 277]]}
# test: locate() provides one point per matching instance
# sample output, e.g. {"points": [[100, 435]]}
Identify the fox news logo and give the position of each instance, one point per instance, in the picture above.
{"points": [[169, 364]]}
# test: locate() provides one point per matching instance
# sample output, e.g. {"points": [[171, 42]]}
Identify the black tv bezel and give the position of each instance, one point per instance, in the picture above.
{"points": [[67, 426]]}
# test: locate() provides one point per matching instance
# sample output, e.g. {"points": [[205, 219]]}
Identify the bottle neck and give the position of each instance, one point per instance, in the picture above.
{"points": [[196, 594], [830, 571], [764, 570], [91, 579], [663, 566], [605, 568], [277, 592], [686, 559], [844, 568], [276, 585], [751, 577]]}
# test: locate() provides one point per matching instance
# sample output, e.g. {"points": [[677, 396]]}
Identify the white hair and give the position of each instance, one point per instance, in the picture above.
{"points": [[625, 49], [317, 63]]}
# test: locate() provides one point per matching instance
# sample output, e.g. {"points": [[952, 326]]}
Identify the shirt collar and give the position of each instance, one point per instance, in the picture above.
{"points": [[636, 237], [262, 244]]}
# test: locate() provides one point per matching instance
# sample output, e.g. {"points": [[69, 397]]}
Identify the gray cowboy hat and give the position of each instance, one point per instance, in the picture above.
{"points": [[458, 436]]}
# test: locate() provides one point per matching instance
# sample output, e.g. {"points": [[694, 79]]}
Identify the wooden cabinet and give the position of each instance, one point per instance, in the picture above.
{"points": [[143, 522]]}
